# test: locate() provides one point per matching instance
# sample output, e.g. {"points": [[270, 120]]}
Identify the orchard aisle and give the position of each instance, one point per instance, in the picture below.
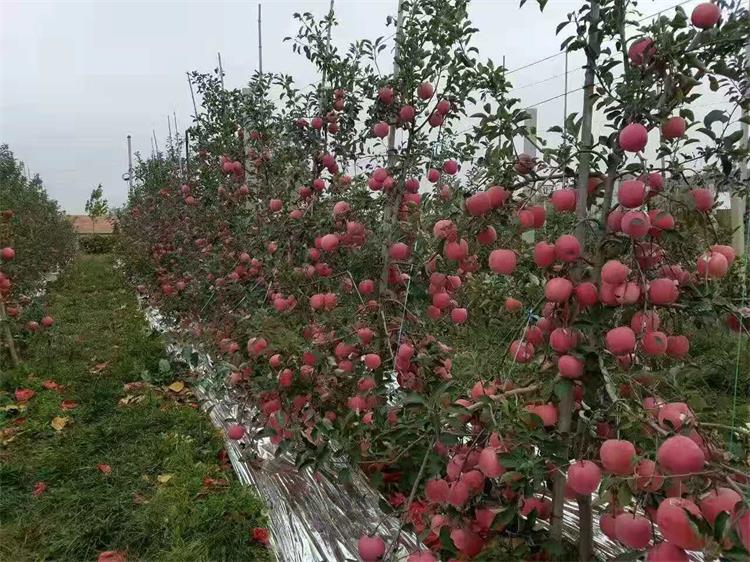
{"points": [[105, 454]]}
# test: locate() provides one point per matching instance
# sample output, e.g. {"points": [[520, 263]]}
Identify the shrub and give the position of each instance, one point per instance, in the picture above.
{"points": [[97, 243]]}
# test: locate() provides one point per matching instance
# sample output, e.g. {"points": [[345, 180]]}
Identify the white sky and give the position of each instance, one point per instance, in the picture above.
{"points": [[77, 77]]}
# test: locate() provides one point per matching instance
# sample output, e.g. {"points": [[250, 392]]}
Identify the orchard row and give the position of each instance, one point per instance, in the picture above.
{"points": [[481, 332]]}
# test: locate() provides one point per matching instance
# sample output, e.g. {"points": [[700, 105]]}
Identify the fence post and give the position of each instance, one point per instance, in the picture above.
{"points": [[130, 165], [260, 41], [530, 148]]}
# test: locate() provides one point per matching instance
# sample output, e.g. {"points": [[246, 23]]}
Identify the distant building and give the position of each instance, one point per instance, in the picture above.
{"points": [[82, 224]]}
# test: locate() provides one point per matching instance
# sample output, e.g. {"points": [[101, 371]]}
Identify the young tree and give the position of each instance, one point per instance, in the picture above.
{"points": [[96, 206]]}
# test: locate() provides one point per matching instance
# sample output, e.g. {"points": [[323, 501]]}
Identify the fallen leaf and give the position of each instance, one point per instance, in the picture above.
{"points": [[98, 368], [177, 386], [223, 458], [19, 421], [131, 399], [209, 482], [13, 408], [39, 489], [24, 394], [138, 499], [7, 435], [164, 478], [51, 385], [112, 556], [132, 386], [58, 423], [68, 404], [104, 468]]}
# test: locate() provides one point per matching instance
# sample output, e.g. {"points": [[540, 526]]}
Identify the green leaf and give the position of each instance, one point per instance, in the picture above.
{"points": [[187, 355], [164, 366], [562, 388], [414, 399], [731, 139], [713, 116], [561, 26], [721, 525], [445, 540], [624, 495]]}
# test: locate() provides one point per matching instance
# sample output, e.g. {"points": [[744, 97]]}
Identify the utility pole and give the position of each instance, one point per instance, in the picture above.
{"points": [[130, 165], [565, 97], [187, 155], [529, 147], [587, 140], [178, 148], [260, 41], [396, 55], [192, 95], [391, 201], [221, 71], [740, 205], [323, 82]]}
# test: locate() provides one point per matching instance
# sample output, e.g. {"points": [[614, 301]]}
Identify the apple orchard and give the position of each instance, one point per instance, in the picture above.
{"points": [[486, 334]]}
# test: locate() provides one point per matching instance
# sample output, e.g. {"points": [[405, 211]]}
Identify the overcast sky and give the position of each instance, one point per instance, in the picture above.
{"points": [[77, 77]]}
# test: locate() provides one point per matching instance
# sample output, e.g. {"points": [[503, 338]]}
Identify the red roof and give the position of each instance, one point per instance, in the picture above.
{"points": [[82, 225]]}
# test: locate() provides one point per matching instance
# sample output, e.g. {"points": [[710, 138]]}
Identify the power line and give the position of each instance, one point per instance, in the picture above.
{"points": [[524, 86], [665, 10], [557, 54], [552, 56], [554, 97]]}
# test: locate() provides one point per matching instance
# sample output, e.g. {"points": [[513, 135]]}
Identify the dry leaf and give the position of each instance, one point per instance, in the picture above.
{"points": [[133, 386], [130, 399], [58, 423], [51, 385], [112, 556], [13, 408], [24, 394], [209, 482], [164, 478], [7, 435], [68, 404], [98, 368], [104, 468], [177, 386]]}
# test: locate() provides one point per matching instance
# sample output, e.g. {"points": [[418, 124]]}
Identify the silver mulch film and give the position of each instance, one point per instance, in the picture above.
{"points": [[314, 518]]}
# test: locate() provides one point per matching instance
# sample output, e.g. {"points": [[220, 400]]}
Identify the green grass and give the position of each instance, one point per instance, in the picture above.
{"points": [[84, 511]]}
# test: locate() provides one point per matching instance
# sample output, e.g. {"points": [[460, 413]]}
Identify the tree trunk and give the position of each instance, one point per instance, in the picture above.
{"points": [[565, 416], [15, 359], [586, 529]]}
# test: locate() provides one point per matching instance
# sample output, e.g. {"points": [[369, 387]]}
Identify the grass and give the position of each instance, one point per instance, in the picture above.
{"points": [[156, 503]]}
